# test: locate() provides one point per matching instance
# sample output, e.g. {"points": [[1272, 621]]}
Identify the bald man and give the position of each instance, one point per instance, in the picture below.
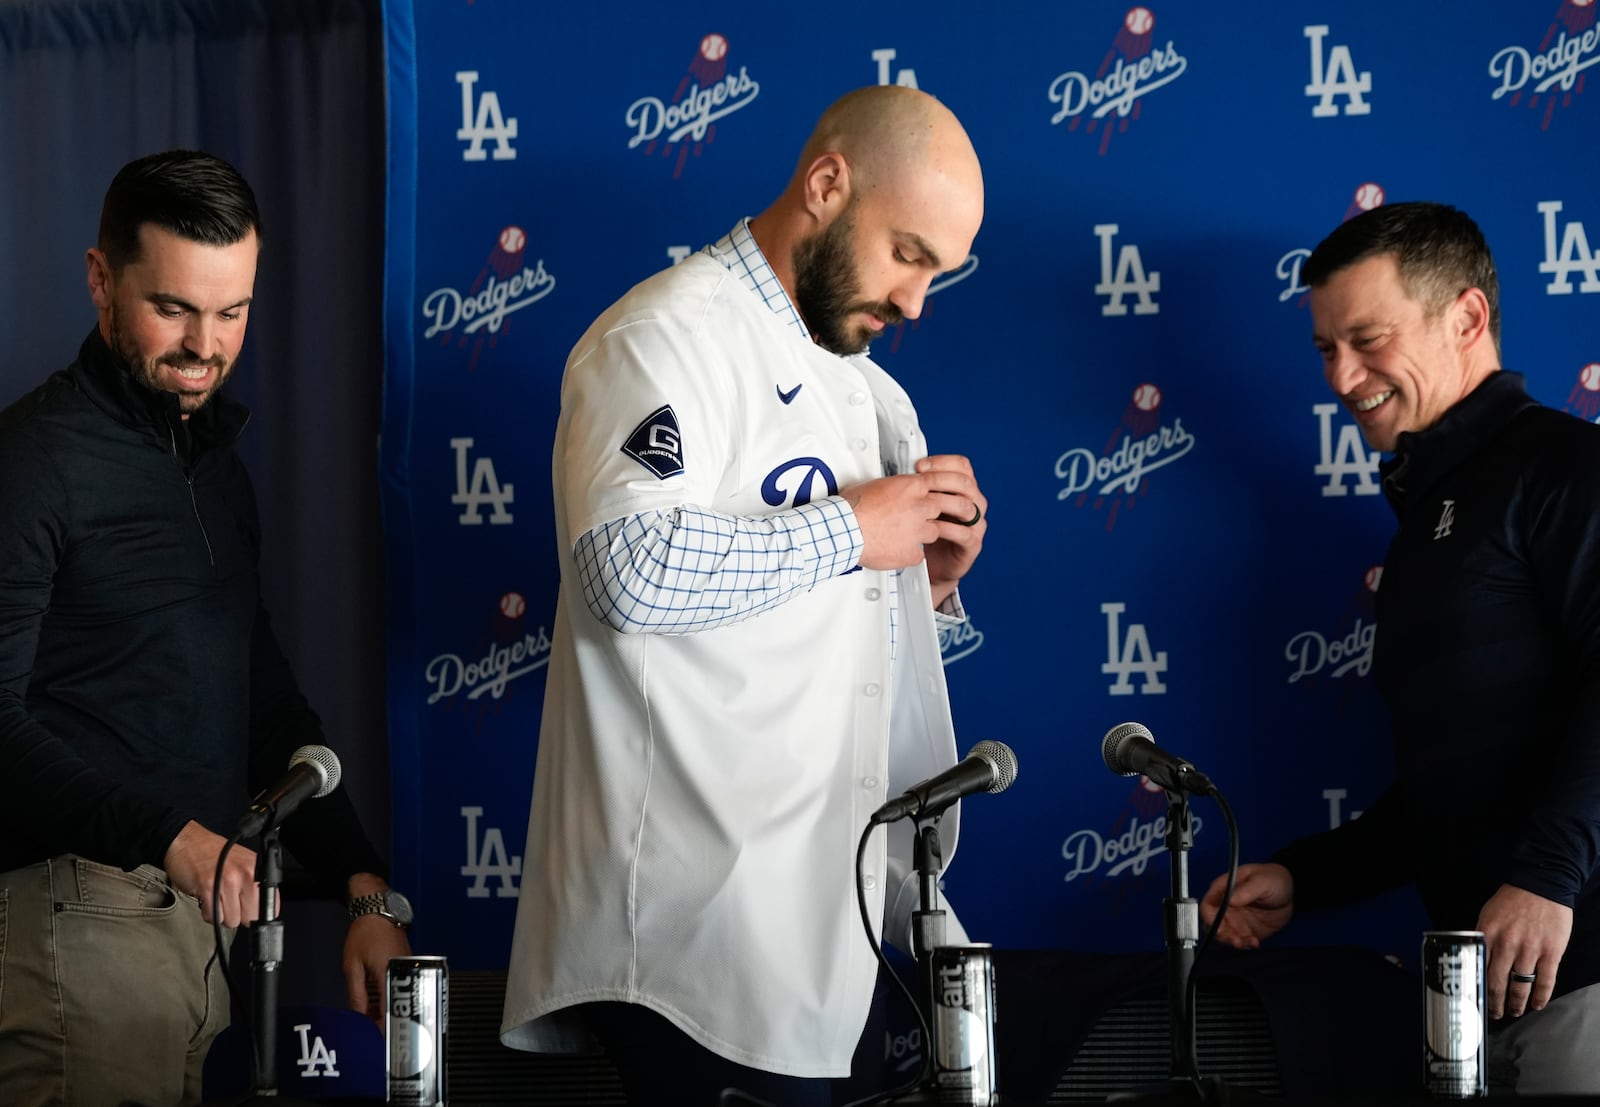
{"points": [[757, 551]]}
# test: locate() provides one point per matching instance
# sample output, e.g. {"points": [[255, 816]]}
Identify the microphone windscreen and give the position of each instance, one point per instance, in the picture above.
{"points": [[323, 758], [1113, 749], [1004, 761]]}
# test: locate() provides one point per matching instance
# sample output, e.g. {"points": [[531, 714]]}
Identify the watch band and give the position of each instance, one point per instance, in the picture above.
{"points": [[376, 903]]}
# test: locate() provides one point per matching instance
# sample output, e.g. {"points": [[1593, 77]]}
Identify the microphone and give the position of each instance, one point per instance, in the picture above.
{"points": [[313, 773], [1130, 748], [990, 767]]}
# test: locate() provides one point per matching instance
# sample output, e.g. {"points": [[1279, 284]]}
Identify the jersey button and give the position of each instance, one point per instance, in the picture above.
{"points": [[869, 882], [873, 593], [858, 443], [871, 690], [858, 398], [869, 782]]}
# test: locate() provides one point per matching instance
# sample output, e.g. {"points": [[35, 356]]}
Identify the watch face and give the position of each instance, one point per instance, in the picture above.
{"points": [[398, 906]]}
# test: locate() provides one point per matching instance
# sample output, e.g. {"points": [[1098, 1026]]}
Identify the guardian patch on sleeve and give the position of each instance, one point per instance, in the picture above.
{"points": [[655, 444]]}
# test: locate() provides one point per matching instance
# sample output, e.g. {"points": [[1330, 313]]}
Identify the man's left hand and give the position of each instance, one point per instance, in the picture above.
{"points": [[1526, 935], [370, 942], [959, 543]]}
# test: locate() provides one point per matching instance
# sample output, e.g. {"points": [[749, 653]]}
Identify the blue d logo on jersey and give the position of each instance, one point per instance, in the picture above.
{"points": [[811, 470]]}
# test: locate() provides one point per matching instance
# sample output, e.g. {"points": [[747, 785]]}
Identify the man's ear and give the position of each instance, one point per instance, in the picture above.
{"points": [[1470, 318], [827, 185], [100, 279]]}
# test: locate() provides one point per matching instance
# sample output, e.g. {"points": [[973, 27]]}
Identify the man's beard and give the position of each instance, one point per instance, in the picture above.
{"points": [[826, 287], [148, 371]]}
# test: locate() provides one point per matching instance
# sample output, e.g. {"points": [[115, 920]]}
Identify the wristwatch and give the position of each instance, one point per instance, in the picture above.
{"points": [[388, 903]]}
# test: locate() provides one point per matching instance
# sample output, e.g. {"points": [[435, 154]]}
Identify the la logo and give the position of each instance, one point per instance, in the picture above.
{"points": [[316, 1059], [487, 860], [1131, 654], [1350, 459], [485, 123], [1335, 77], [1129, 277], [906, 78], [485, 488], [1573, 255]]}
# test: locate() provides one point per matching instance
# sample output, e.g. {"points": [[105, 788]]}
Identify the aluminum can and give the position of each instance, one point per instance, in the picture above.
{"points": [[961, 984], [1452, 975], [417, 1031]]}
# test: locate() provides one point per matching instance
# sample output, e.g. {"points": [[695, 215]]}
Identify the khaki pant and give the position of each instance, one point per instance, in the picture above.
{"points": [[1550, 1052], [109, 989]]}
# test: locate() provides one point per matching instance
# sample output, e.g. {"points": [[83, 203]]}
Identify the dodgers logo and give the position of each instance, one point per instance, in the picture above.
{"points": [[1367, 196], [506, 653], [1553, 70], [1346, 651], [1139, 445], [796, 483], [706, 93], [1132, 69], [1087, 851], [479, 315]]}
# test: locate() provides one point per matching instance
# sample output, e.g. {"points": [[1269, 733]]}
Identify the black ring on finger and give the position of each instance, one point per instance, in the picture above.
{"points": [[1522, 977]]}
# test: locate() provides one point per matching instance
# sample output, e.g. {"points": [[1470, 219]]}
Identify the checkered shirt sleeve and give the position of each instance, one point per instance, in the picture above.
{"points": [[690, 569]]}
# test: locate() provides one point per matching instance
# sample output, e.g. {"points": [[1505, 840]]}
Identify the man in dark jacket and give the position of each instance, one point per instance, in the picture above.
{"points": [[143, 697], [1488, 646]]}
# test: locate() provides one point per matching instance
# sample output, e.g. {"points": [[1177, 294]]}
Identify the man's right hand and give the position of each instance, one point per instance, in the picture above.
{"points": [[899, 515], [1263, 901], [191, 865]]}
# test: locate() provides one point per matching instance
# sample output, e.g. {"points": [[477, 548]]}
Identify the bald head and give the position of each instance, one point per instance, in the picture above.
{"points": [[885, 132]]}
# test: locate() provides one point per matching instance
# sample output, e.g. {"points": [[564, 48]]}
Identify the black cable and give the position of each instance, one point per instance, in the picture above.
{"points": [[877, 949], [1190, 1000], [222, 951]]}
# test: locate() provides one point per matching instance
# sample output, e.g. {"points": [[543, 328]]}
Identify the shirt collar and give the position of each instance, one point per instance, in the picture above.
{"points": [[738, 251], [1422, 458]]}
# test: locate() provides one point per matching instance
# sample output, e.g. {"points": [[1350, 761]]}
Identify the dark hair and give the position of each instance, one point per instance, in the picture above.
{"points": [[1440, 251], [192, 194]]}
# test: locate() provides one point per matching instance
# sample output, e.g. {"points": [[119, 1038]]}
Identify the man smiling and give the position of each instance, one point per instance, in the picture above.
{"points": [[143, 695], [1488, 643]]}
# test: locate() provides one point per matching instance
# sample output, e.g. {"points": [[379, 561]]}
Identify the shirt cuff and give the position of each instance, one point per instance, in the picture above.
{"points": [[828, 529], [950, 613]]}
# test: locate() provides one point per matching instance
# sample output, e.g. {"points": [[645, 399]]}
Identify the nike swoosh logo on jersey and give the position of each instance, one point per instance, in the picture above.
{"points": [[788, 397]]}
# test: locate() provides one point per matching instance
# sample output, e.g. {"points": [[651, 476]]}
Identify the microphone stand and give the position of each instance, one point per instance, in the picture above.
{"points": [[266, 935], [927, 930], [1182, 916]]}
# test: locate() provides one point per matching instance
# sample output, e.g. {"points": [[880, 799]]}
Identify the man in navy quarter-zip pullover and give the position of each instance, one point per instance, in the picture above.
{"points": [[143, 696], [1488, 645]]}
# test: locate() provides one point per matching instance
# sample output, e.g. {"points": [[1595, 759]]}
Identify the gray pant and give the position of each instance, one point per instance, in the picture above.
{"points": [[108, 987], [1549, 1052]]}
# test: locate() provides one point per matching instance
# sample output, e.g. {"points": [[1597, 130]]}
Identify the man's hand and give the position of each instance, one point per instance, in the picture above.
{"points": [[191, 864], [1263, 901], [1525, 934], [370, 942], [899, 515], [959, 544]]}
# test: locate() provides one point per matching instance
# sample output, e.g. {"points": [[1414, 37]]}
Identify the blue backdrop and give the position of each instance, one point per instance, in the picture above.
{"points": [[1185, 529]]}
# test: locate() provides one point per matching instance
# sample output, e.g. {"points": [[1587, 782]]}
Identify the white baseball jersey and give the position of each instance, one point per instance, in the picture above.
{"points": [[698, 797]]}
